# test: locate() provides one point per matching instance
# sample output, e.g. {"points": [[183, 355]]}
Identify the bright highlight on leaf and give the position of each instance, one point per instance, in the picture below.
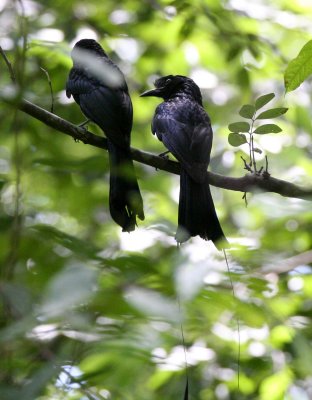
{"points": [[299, 69]]}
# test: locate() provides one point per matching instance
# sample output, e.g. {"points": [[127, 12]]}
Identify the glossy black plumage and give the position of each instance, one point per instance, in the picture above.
{"points": [[100, 89], [183, 125]]}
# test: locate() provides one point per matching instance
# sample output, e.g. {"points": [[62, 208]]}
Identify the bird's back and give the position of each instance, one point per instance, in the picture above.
{"points": [[109, 107]]}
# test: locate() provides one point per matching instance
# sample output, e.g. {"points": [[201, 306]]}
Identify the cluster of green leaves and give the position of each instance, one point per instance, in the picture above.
{"points": [[251, 112]]}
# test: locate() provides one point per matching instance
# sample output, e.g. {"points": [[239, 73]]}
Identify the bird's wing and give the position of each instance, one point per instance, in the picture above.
{"points": [[109, 108], [77, 83], [189, 143]]}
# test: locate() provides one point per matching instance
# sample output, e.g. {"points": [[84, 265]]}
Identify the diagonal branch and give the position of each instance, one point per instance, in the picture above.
{"points": [[247, 183], [288, 264]]}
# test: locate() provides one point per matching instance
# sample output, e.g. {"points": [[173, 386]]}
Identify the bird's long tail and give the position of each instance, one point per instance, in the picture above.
{"points": [[197, 214], [125, 200]]}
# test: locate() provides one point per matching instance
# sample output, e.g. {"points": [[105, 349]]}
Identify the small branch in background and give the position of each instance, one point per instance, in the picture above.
{"points": [[51, 89], [16, 228], [266, 173], [83, 387], [13, 248], [20, 60], [9, 65], [246, 166], [288, 264], [253, 162], [245, 199]]}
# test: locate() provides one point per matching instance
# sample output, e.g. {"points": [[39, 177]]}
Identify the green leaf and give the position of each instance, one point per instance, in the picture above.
{"points": [[69, 288], [239, 127], [272, 113], [152, 303], [274, 386], [263, 100], [159, 378], [299, 68], [247, 111], [38, 381], [267, 128], [236, 139], [281, 334]]}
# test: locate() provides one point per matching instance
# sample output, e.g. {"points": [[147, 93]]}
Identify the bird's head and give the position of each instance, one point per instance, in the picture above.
{"points": [[172, 85], [88, 47], [89, 56]]}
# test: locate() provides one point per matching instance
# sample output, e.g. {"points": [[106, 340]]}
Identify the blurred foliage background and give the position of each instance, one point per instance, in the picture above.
{"points": [[88, 312]]}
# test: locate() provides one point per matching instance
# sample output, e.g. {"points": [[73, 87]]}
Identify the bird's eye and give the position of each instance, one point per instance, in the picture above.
{"points": [[168, 81]]}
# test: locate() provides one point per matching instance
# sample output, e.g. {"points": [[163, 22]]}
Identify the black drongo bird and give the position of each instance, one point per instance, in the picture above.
{"points": [[183, 125], [100, 89]]}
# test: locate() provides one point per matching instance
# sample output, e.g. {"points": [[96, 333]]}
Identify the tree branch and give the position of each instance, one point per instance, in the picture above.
{"points": [[247, 183], [288, 264]]}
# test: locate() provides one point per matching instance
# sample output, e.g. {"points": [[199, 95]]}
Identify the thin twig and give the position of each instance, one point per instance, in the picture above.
{"points": [[15, 235], [246, 166], [251, 146], [237, 320], [9, 65], [266, 173], [21, 51], [82, 386], [51, 89], [183, 341], [288, 264], [253, 154]]}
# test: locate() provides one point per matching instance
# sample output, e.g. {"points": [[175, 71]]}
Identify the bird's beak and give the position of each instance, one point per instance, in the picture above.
{"points": [[154, 92]]}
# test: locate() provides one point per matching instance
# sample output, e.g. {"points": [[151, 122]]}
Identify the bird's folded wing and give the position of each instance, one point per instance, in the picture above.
{"points": [[78, 83], [108, 108], [191, 145]]}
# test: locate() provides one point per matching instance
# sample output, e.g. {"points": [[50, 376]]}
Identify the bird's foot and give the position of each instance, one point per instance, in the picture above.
{"points": [[83, 124], [84, 130], [164, 154]]}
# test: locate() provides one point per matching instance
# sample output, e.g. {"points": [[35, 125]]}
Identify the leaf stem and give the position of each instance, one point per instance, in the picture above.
{"points": [[251, 145]]}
